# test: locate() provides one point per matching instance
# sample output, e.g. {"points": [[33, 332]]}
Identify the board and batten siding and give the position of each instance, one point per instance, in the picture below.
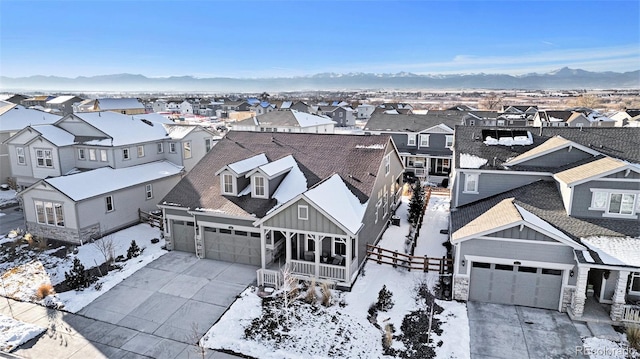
{"points": [[524, 233], [490, 184], [582, 196], [317, 222]]}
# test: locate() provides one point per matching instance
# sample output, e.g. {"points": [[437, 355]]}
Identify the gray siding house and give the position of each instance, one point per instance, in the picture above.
{"points": [[425, 142], [563, 232], [274, 199]]}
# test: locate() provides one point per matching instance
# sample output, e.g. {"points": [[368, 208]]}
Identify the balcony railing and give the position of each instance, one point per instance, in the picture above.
{"points": [[631, 313]]}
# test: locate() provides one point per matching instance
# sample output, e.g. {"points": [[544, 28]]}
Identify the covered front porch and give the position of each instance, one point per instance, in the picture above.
{"points": [[325, 257]]}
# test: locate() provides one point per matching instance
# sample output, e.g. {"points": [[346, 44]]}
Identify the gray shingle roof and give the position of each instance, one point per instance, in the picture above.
{"points": [[413, 123], [543, 199], [617, 142], [355, 158]]}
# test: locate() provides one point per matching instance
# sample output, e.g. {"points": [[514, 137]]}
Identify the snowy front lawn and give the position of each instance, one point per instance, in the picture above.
{"points": [[7, 197], [348, 327], [14, 333], [25, 268]]}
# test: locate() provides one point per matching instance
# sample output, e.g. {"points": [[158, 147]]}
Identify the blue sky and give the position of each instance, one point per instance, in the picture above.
{"points": [[292, 38]]}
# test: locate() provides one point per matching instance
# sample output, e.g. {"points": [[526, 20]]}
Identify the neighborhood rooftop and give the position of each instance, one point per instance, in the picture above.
{"points": [[413, 123]]}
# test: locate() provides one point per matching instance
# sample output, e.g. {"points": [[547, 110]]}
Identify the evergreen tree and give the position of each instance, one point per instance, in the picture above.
{"points": [[416, 204], [133, 250], [384, 299], [77, 278]]}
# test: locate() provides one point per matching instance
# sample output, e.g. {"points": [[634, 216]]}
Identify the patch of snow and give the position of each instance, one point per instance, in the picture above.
{"points": [[121, 129], [278, 166], [246, 165], [615, 250], [371, 147], [510, 141], [597, 348], [307, 120], [335, 198], [471, 161], [8, 197], [293, 184], [14, 333], [56, 135]]}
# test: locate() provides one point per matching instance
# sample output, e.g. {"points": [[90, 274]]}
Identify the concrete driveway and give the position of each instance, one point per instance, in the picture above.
{"points": [[158, 312], [507, 331]]}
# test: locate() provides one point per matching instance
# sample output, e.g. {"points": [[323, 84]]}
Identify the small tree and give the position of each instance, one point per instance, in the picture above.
{"points": [[416, 204], [384, 299], [133, 250], [106, 246], [77, 278]]}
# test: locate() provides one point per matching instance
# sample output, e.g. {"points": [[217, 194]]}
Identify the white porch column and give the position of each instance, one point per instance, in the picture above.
{"points": [[347, 262], [580, 295], [287, 244], [317, 246], [619, 294], [263, 248]]}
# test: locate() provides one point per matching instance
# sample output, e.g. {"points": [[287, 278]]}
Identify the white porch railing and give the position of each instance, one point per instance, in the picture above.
{"points": [[325, 271], [269, 277], [329, 271], [631, 313], [303, 267]]}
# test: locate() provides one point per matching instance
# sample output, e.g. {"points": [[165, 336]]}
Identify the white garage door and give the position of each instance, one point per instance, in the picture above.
{"points": [[519, 285]]}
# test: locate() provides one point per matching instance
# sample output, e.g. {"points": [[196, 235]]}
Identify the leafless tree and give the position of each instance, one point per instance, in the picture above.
{"points": [[106, 246], [492, 101], [588, 101]]}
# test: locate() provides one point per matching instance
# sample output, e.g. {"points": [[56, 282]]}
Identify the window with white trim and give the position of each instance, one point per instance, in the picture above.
{"points": [[411, 139], [109, 203], [339, 247], [387, 164], [103, 155], [186, 149], [378, 205], [44, 158], [22, 159], [385, 202], [49, 213], [227, 184], [92, 154], [172, 147], [81, 154], [258, 186], [207, 144], [303, 212], [125, 154], [615, 202], [160, 147], [424, 140], [634, 284], [148, 190], [448, 142], [140, 150], [471, 183]]}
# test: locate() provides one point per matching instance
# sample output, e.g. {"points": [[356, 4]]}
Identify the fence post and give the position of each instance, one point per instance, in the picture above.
{"points": [[442, 263], [379, 255], [395, 259], [426, 264]]}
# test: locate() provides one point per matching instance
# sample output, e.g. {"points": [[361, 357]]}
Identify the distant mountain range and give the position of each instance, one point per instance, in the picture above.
{"points": [[564, 78]]}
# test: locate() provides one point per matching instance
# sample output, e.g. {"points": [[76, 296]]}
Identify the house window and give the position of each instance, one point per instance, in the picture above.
{"points": [[621, 203], [258, 186], [424, 140], [172, 147], [411, 139], [599, 200], [385, 202], [500, 122], [92, 154], [303, 212], [387, 164], [227, 184], [125, 154], [49, 213], [109, 203], [634, 285], [148, 189], [207, 144], [310, 244], [44, 158], [22, 159], [448, 141], [186, 150], [614, 203], [339, 247], [160, 147], [378, 205], [140, 151], [103, 155], [81, 154], [470, 183]]}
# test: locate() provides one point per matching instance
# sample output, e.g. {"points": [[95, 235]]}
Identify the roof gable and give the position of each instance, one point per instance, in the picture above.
{"points": [[595, 169], [549, 146]]}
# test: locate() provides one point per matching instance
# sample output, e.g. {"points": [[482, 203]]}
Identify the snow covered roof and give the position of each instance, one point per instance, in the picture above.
{"points": [[521, 140], [92, 183], [17, 117], [60, 99], [293, 184], [55, 135], [123, 129], [119, 103], [334, 198], [589, 170], [306, 119], [178, 131], [276, 167], [154, 117], [471, 161], [246, 165], [615, 250]]}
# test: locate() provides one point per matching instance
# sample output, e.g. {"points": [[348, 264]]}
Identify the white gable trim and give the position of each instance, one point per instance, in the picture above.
{"points": [[439, 128]]}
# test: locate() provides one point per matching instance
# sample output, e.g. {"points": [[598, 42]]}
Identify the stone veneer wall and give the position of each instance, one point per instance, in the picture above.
{"points": [[200, 246], [89, 232], [53, 232], [461, 288], [168, 242], [567, 294]]}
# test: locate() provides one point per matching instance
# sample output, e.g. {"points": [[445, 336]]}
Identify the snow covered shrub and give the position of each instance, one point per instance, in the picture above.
{"points": [[384, 299], [44, 290], [77, 278], [311, 296], [326, 294], [633, 336], [133, 250]]}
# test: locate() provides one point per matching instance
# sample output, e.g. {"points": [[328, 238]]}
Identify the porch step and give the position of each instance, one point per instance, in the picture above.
{"points": [[603, 331]]}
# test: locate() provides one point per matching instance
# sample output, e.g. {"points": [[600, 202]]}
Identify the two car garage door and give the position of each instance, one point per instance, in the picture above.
{"points": [[221, 244], [519, 285]]}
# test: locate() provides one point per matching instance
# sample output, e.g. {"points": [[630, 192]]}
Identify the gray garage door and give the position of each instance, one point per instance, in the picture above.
{"points": [[183, 234], [232, 246], [519, 285]]}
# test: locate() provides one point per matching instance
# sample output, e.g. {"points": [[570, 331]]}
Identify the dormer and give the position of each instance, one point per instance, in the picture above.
{"points": [[233, 177], [265, 179]]}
